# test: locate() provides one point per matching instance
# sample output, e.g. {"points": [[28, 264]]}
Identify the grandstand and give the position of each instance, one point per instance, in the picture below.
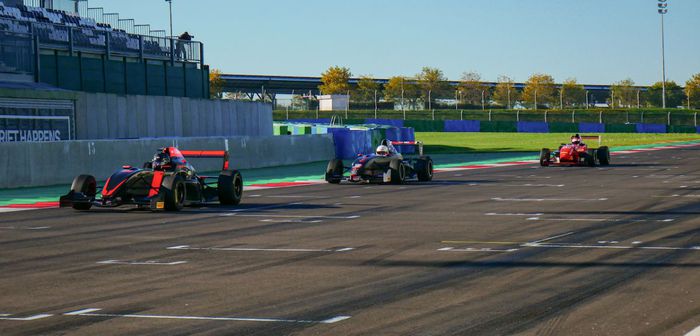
{"points": [[69, 45]]}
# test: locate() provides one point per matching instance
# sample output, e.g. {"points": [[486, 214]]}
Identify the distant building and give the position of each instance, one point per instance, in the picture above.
{"points": [[333, 102]]}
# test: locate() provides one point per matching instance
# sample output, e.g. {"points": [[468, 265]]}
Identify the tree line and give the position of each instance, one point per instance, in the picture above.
{"points": [[430, 87]]}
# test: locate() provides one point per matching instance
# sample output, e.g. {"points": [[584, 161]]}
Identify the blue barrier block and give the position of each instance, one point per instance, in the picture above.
{"points": [[462, 126], [533, 127], [311, 121], [698, 127], [407, 134], [349, 143], [389, 122], [651, 128], [585, 127]]}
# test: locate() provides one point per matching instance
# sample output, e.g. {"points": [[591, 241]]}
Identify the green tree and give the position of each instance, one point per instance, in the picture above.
{"points": [[573, 93], [624, 93], [335, 80], [471, 89], [674, 94], [505, 93], [216, 84], [399, 86], [540, 90], [366, 88], [692, 91], [433, 84]]}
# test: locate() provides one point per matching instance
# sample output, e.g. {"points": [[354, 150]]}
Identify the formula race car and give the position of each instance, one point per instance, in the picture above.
{"points": [[576, 153], [168, 182], [387, 165]]}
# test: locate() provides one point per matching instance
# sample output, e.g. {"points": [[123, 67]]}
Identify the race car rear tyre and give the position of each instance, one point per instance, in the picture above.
{"points": [[86, 185], [174, 191], [604, 156], [334, 171], [545, 157], [230, 187], [424, 169], [398, 172]]}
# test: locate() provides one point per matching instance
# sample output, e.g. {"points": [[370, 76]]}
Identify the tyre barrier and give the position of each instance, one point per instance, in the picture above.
{"points": [[532, 127]]}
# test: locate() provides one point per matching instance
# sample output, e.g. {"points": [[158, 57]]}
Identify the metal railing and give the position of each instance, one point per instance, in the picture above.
{"points": [[109, 42]]}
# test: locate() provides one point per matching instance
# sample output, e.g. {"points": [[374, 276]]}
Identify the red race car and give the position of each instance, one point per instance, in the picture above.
{"points": [[576, 153]]}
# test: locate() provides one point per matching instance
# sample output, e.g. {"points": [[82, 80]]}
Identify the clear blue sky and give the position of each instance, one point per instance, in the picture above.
{"points": [[595, 41]]}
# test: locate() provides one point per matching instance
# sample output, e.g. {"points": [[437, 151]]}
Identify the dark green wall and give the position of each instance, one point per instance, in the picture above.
{"points": [[94, 74]]}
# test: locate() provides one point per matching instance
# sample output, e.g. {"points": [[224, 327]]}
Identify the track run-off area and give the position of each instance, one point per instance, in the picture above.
{"points": [[491, 249]]}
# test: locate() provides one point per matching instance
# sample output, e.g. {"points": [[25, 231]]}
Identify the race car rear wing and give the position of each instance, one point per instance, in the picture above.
{"points": [[418, 144], [208, 154], [593, 137]]}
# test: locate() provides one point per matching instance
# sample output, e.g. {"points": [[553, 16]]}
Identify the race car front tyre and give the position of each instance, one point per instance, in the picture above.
{"points": [[230, 187], [398, 172], [589, 158], [604, 156], [86, 185], [334, 171], [545, 157], [424, 169], [174, 191]]}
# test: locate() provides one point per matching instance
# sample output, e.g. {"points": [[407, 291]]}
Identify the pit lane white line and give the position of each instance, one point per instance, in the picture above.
{"points": [[513, 214], [500, 199], [601, 220], [550, 238], [289, 216], [535, 185], [611, 247], [28, 318], [90, 312], [24, 228], [141, 263], [473, 249], [248, 249]]}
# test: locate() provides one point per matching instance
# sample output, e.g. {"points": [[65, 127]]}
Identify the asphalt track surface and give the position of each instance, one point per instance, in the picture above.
{"points": [[519, 250]]}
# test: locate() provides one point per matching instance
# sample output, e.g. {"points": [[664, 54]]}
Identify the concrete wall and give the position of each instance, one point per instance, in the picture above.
{"points": [[109, 116], [51, 163]]}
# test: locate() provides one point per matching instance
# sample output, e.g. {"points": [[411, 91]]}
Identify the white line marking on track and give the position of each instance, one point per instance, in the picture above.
{"points": [[473, 249], [601, 220], [91, 313], [4, 210], [82, 311], [24, 228], [28, 318], [290, 221], [500, 199], [250, 249], [141, 263], [535, 185], [694, 332], [290, 216], [267, 207], [550, 238], [513, 214], [613, 247]]}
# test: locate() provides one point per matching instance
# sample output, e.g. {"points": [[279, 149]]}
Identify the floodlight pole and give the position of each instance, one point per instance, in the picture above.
{"points": [[662, 12], [170, 5]]}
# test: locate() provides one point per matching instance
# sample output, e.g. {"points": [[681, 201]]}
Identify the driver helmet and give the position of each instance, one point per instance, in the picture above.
{"points": [[161, 159], [382, 150], [576, 139]]}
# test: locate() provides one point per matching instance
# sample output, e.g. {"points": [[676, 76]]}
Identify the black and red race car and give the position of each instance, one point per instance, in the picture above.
{"points": [[576, 153], [168, 182]]}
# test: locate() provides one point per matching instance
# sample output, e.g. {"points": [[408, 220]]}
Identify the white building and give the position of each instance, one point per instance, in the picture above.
{"points": [[333, 102]]}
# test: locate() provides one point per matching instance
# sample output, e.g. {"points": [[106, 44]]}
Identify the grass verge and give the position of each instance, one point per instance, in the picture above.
{"points": [[455, 143]]}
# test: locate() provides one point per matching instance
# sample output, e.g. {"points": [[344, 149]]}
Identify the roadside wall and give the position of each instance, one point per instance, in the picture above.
{"points": [[110, 116], [51, 163]]}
